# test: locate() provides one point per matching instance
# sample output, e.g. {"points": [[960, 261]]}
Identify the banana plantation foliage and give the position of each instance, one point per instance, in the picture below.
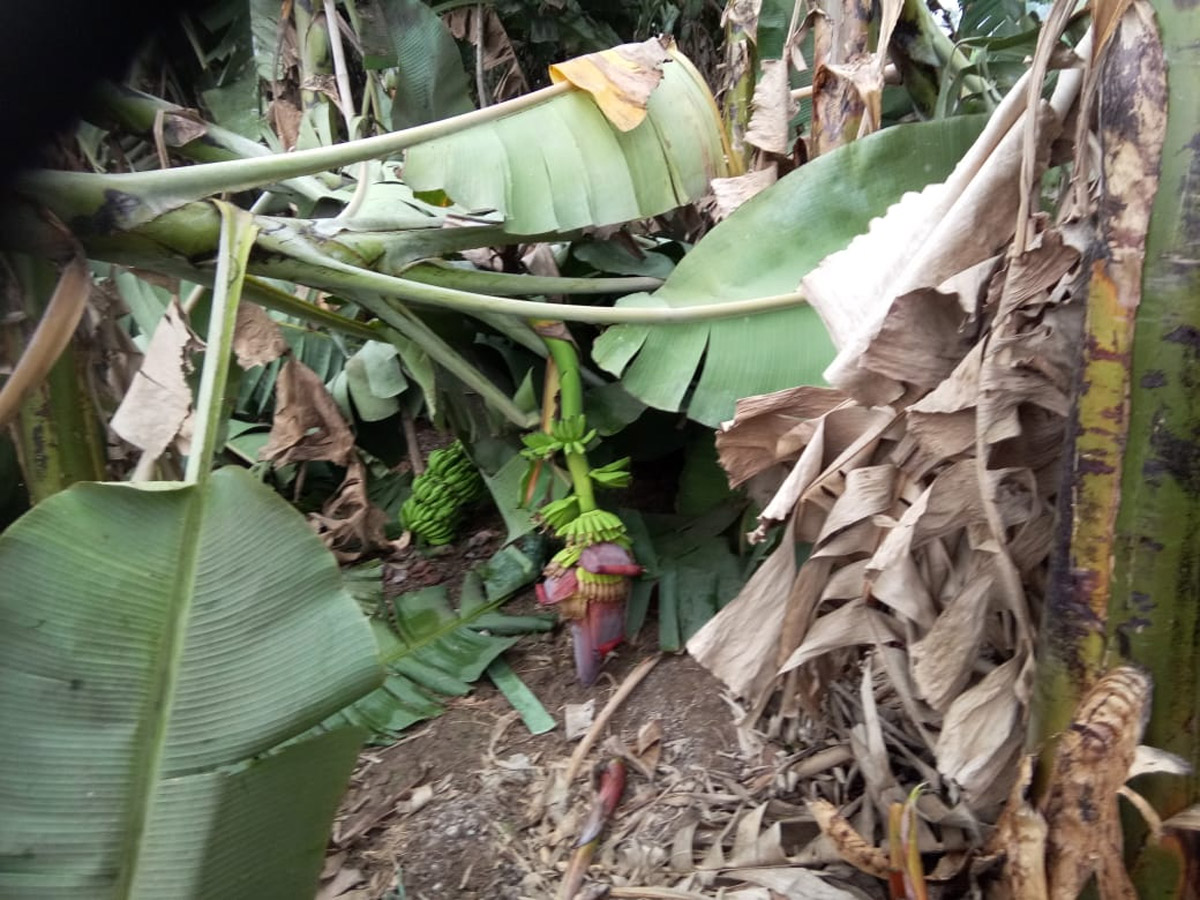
{"points": [[905, 303]]}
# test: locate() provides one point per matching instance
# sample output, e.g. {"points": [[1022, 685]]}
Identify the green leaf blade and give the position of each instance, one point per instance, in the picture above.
{"points": [[764, 249], [408, 36], [152, 634], [580, 170]]}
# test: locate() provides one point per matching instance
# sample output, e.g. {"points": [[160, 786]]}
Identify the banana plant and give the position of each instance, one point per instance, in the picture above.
{"points": [[1127, 591]]}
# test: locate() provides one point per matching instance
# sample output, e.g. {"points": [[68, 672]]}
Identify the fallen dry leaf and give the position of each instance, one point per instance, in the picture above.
{"points": [[577, 718], [792, 882], [350, 525], [340, 884], [308, 424], [649, 744], [754, 845], [159, 399], [981, 734]]}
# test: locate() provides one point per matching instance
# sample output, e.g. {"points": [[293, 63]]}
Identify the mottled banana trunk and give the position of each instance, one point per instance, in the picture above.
{"points": [[1129, 583], [1154, 613], [740, 74]]}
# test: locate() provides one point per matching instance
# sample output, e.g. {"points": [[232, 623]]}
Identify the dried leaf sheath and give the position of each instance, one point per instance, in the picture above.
{"points": [[1093, 761]]}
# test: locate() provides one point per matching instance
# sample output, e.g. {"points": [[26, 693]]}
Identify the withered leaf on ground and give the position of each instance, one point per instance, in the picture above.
{"points": [[980, 732], [308, 424], [349, 523]]}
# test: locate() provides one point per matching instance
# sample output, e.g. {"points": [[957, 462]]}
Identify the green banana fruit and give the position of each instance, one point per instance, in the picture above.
{"points": [[450, 481]]}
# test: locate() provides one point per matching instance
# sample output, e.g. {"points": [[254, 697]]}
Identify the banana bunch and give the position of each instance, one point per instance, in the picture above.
{"points": [[449, 482]]}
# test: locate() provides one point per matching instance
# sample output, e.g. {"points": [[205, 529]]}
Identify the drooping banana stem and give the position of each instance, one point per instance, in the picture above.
{"points": [[570, 404]]}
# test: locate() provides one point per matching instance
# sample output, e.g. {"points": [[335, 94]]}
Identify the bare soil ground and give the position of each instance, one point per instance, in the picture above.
{"points": [[457, 807], [471, 805]]}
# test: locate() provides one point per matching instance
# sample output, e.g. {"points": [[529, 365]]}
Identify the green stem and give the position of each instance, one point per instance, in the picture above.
{"points": [[270, 297], [334, 275], [577, 466], [237, 237], [137, 111], [570, 389], [507, 284], [341, 276], [195, 182], [570, 404]]}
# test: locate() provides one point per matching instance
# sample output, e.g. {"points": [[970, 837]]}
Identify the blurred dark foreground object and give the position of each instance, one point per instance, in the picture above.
{"points": [[53, 51]]}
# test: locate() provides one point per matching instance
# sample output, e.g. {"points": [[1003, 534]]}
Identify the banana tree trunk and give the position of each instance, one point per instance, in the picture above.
{"points": [[1154, 613], [1129, 585], [57, 433]]}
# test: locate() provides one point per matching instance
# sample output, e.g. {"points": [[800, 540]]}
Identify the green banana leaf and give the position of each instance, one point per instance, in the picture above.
{"points": [[561, 165], [406, 35], [689, 563], [158, 645], [762, 250], [431, 652]]}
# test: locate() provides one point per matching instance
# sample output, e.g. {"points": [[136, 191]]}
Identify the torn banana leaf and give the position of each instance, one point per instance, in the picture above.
{"points": [[431, 651], [166, 649], [764, 249], [563, 165]]}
